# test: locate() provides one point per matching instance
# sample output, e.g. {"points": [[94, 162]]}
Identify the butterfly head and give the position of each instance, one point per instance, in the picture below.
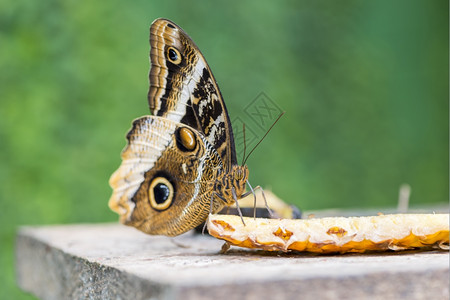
{"points": [[240, 174]]}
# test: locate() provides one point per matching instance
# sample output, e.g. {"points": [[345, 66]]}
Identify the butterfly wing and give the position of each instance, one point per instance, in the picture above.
{"points": [[163, 185], [183, 88]]}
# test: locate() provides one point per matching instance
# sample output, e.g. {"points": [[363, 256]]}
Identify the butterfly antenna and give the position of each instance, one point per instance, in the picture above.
{"points": [[263, 137], [245, 144]]}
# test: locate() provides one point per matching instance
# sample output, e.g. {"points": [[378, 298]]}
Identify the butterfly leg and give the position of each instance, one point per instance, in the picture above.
{"points": [[252, 190], [233, 191], [264, 197], [254, 197], [265, 201]]}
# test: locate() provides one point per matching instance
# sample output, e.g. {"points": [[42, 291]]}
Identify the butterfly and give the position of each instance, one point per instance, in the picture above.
{"points": [[180, 163]]}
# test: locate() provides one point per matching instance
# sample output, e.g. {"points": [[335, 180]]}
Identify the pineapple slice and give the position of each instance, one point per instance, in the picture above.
{"points": [[335, 235]]}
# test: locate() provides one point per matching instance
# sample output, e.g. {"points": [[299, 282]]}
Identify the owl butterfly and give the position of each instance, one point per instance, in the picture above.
{"points": [[180, 163]]}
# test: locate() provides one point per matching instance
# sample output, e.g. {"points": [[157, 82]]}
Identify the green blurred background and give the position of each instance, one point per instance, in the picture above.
{"points": [[364, 85]]}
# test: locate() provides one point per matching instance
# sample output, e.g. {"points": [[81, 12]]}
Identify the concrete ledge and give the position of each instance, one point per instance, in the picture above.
{"points": [[116, 262]]}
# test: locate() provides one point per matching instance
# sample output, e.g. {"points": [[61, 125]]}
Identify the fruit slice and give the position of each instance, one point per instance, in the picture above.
{"points": [[335, 235]]}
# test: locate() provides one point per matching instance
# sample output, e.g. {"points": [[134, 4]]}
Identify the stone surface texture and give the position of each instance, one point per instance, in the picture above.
{"points": [[112, 261]]}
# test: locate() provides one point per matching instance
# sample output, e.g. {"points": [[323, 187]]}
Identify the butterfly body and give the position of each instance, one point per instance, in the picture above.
{"points": [[231, 182], [179, 164]]}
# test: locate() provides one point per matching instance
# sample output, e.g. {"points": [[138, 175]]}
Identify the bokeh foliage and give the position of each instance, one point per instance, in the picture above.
{"points": [[364, 85]]}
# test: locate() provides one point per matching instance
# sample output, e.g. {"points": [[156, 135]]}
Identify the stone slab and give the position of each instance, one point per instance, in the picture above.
{"points": [[112, 261]]}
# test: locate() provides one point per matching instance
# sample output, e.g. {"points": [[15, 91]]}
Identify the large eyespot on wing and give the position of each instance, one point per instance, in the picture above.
{"points": [[161, 186], [161, 193], [183, 88]]}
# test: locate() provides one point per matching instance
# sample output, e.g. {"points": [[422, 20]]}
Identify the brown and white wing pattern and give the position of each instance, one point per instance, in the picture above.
{"points": [[164, 183], [183, 88]]}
